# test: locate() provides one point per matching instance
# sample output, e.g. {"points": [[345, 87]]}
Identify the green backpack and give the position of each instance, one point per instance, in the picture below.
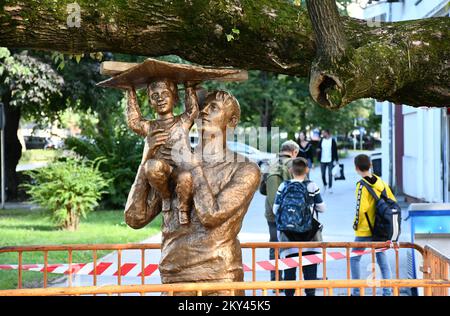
{"points": [[275, 171]]}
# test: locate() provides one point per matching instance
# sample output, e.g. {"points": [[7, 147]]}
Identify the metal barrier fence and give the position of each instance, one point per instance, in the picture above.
{"points": [[435, 267], [435, 283]]}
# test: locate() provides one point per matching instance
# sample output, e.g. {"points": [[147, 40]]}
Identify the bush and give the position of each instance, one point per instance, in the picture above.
{"points": [[120, 151], [69, 189]]}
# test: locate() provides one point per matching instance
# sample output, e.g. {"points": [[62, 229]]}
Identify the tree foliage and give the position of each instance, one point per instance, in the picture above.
{"points": [[34, 86], [289, 106], [119, 149]]}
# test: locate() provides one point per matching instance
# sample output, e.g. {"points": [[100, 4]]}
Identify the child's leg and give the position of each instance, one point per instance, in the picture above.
{"points": [[158, 175], [385, 268], [184, 194]]}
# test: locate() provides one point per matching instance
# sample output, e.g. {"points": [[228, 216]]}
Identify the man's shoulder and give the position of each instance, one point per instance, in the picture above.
{"points": [[248, 166], [248, 169]]}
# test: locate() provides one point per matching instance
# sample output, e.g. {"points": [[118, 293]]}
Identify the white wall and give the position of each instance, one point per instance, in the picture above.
{"points": [[385, 142], [422, 161], [406, 10]]}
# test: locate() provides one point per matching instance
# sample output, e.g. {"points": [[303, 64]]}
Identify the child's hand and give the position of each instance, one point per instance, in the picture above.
{"points": [[190, 84], [155, 139]]}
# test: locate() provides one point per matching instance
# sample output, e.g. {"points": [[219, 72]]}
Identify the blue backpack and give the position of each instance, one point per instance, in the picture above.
{"points": [[294, 213]]}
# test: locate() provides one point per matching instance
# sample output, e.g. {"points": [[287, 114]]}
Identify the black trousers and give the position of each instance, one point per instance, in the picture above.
{"points": [[309, 273], [273, 238], [323, 168]]}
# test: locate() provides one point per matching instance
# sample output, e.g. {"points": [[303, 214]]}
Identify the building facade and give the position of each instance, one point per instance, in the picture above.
{"points": [[415, 141]]}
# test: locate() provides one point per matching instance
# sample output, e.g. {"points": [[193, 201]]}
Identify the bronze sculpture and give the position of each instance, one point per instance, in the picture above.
{"points": [[159, 166], [206, 248]]}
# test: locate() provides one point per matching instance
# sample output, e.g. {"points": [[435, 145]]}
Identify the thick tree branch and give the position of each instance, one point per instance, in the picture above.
{"points": [[330, 37], [405, 62], [332, 47]]}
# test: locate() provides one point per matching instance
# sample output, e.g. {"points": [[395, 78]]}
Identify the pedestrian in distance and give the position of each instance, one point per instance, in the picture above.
{"points": [[365, 217], [305, 149], [278, 172], [328, 154], [296, 208]]}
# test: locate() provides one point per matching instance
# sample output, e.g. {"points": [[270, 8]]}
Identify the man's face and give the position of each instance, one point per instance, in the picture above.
{"points": [[214, 115], [326, 135], [161, 98]]}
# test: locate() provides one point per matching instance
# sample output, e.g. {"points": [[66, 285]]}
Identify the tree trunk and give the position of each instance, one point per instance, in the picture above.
{"points": [[72, 220], [404, 62], [13, 148]]}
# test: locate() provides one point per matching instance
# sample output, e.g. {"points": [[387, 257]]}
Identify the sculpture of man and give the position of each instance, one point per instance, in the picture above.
{"points": [[207, 249], [159, 166]]}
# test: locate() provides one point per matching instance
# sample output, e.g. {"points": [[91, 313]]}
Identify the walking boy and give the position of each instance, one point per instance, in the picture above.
{"points": [[365, 210], [308, 199]]}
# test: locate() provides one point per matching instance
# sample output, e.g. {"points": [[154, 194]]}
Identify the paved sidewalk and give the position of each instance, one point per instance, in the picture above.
{"points": [[337, 221]]}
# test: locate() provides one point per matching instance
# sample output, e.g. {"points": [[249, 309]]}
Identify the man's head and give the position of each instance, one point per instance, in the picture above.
{"points": [[163, 95], [299, 167], [290, 148], [326, 133], [362, 164], [221, 110]]}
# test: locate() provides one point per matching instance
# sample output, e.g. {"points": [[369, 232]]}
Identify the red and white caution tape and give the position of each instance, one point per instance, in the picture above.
{"points": [[134, 269], [293, 262], [103, 269]]}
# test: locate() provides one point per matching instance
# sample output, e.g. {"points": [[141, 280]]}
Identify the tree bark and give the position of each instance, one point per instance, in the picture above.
{"points": [[405, 62], [13, 147]]}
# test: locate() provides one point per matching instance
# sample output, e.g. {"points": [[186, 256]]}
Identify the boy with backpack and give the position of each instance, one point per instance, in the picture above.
{"points": [[296, 202], [278, 172], [377, 218]]}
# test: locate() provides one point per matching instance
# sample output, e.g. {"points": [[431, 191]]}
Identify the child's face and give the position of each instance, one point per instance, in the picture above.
{"points": [[162, 99]]}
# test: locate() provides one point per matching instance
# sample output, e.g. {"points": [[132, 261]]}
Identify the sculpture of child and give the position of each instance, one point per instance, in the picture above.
{"points": [[160, 168]]}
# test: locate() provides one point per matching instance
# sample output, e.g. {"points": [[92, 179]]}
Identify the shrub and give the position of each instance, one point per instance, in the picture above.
{"points": [[69, 189], [120, 151]]}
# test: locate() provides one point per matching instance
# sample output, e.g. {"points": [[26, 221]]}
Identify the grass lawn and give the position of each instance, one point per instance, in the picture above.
{"points": [[39, 155], [25, 227]]}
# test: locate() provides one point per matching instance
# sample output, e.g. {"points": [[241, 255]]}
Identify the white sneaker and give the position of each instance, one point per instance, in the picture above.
{"points": [[330, 190]]}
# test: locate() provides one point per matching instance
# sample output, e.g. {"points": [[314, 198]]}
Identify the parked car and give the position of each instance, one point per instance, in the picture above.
{"points": [[343, 142], [263, 159], [35, 142], [52, 143]]}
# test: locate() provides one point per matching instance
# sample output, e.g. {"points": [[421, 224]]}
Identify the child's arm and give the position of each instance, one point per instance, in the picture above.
{"points": [[191, 104], [314, 192], [277, 202], [134, 117]]}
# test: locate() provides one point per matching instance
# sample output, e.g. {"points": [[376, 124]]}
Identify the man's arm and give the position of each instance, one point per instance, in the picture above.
{"points": [[215, 210], [273, 182], [335, 155], [192, 110], [138, 212], [134, 117]]}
